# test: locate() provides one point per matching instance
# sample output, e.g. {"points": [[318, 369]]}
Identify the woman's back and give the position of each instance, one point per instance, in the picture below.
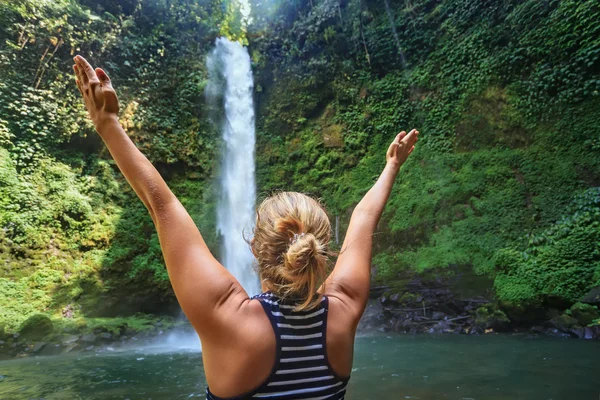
{"points": [[250, 341], [297, 358]]}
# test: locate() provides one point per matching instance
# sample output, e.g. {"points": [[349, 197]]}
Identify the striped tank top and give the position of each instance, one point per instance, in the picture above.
{"points": [[301, 369]]}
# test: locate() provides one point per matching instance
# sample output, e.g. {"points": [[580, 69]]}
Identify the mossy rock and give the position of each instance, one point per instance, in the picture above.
{"points": [[36, 327], [564, 322], [407, 298], [487, 317], [592, 297], [523, 313], [585, 314]]}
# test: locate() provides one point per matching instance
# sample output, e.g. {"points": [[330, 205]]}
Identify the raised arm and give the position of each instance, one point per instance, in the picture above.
{"points": [[202, 285], [350, 279]]}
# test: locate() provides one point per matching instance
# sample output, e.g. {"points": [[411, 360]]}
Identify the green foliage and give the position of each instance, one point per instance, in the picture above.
{"points": [[505, 95], [118, 325], [72, 231], [585, 314], [562, 261]]}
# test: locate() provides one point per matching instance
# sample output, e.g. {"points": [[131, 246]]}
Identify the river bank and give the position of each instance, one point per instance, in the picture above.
{"points": [[42, 336], [457, 303], [437, 313], [448, 301]]}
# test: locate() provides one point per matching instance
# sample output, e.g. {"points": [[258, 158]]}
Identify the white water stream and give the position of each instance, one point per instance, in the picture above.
{"points": [[230, 90], [231, 80]]}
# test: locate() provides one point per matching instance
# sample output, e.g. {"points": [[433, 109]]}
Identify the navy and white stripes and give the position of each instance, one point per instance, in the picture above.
{"points": [[302, 370]]}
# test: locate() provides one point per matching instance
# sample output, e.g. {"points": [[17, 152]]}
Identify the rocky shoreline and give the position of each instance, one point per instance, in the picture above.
{"points": [[422, 305], [40, 338], [433, 305]]}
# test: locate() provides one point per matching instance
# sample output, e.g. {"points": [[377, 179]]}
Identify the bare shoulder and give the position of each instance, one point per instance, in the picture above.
{"points": [[244, 342], [239, 318]]}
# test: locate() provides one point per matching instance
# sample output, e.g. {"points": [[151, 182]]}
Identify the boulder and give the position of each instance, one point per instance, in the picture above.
{"points": [[563, 323], [68, 339], [523, 314], [89, 338], [105, 336], [38, 346], [486, 318], [437, 315], [36, 327], [588, 333], [577, 332], [592, 297], [585, 314]]}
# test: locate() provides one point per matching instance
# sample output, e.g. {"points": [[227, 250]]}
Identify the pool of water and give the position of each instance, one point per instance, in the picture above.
{"points": [[385, 367]]}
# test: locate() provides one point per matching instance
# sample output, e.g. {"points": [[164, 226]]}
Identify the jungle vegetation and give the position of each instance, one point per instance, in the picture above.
{"points": [[505, 182]]}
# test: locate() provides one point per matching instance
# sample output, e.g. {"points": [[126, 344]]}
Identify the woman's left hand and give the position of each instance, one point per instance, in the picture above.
{"points": [[98, 94]]}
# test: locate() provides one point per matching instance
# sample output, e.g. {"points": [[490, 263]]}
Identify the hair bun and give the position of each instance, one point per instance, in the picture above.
{"points": [[289, 225], [302, 251], [291, 236]]}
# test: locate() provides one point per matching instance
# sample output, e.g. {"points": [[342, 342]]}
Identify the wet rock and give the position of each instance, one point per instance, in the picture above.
{"points": [[88, 338], [585, 314], [68, 339], [487, 318], [592, 297], [437, 315], [563, 323], [71, 347], [537, 329], [37, 346], [383, 299], [443, 327], [588, 333], [475, 330], [105, 336], [577, 332]]}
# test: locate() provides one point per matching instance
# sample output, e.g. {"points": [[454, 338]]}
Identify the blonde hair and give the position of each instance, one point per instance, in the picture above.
{"points": [[291, 239]]}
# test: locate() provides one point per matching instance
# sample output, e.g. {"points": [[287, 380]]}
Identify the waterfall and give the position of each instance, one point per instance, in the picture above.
{"points": [[395, 33], [231, 86]]}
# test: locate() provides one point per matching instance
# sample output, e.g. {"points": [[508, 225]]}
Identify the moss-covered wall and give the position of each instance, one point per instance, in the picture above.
{"points": [[506, 97]]}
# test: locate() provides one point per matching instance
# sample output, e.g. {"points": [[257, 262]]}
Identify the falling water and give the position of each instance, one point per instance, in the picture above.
{"points": [[395, 33], [231, 85]]}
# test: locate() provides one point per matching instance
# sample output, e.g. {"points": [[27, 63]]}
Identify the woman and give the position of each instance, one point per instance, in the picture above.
{"points": [[294, 341]]}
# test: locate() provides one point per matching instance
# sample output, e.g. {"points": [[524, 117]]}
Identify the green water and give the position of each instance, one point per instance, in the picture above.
{"points": [[398, 367]]}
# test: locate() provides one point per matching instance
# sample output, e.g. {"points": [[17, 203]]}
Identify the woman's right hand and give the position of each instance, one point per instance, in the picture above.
{"points": [[401, 148], [98, 94]]}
